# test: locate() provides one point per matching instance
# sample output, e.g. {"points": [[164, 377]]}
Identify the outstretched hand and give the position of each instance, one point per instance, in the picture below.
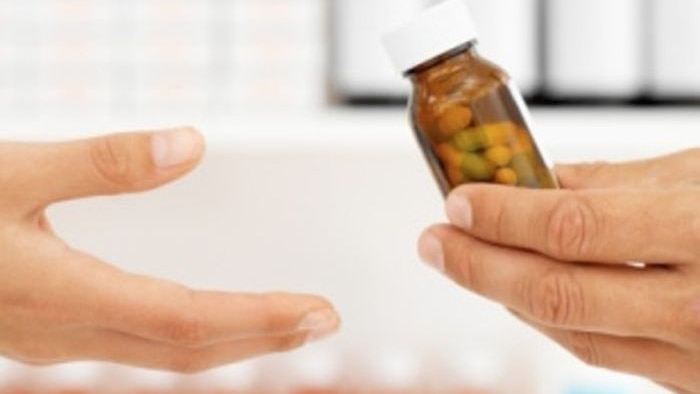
{"points": [[59, 304]]}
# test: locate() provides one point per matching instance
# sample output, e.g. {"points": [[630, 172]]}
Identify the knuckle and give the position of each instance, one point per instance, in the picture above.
{"points": [[556, 298], [111, 159], [586, 348], [571, 227], [186, 330]]}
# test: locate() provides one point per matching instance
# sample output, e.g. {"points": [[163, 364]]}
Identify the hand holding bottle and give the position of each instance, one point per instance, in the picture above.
{"points": [[568, 262]]}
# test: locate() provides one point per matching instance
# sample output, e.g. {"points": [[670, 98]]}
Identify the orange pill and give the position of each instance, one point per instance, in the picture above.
{"points": [[506, 176], [501, 133], [454, 120], [455, 176], [499, 155], [449, 155]]}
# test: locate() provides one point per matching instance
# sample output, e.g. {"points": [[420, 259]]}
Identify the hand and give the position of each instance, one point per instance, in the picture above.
{"points": [[59, 304], [562, 261]]}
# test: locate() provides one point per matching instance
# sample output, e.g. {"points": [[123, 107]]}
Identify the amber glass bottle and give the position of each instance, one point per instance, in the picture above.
{"points": [[469, 118]]}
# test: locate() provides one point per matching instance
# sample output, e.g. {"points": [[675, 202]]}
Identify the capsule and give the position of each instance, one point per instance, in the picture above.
{"points": [[476, 168], [506, 176], [501, 133], [449, 155], [470, 140], [454, 120], [499, 155]]}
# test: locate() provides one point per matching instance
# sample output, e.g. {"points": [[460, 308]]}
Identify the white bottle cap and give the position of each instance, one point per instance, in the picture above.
{"points": [[434, 32]]}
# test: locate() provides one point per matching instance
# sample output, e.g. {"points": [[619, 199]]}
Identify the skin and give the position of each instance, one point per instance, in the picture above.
{"points": [[59, 304], [560, 261]]}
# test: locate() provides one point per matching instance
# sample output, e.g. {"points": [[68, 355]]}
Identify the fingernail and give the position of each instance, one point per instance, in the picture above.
{"points": [[172, 148], [431, 252], [459, 211], [319, 324]]}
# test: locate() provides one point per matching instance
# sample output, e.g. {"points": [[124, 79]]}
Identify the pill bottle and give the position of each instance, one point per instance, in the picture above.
{"points": [[470, 120]]}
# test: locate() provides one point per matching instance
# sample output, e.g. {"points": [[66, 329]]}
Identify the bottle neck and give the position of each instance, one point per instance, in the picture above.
{"points": [[461, 53]]}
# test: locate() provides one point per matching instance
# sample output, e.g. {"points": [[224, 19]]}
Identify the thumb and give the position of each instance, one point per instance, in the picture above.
{"points": [[40, 174]]}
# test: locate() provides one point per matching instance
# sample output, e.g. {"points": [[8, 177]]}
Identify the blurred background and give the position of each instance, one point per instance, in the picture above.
{"points": [[222, 56], [313, 181]]}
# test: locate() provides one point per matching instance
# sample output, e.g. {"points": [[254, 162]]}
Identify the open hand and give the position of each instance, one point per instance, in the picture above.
{"points": [[59, 304]]}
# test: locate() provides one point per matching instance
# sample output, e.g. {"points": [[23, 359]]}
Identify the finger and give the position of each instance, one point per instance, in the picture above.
{"points": [[88, 292], [142, 353], [174, 314], [644, 357], [678, 168], [117, 347], [588, 298], [39, 174], [606, 226]]}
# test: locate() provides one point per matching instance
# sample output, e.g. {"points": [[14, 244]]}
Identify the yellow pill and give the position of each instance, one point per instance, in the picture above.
{"points": [[449, 155], [501, 133], [454, 120], [499, 155], [506, 176]]}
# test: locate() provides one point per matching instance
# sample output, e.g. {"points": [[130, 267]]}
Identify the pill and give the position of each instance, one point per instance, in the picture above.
{"points": [[455, 176], [502, 133], [453, 120], [499, 155], [424, 121], [477, 168], [506, 176], [449, 155], [470, 140]]}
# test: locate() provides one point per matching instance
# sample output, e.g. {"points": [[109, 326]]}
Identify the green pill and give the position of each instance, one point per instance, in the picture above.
{"points": [[477, 168], [470, 140]]}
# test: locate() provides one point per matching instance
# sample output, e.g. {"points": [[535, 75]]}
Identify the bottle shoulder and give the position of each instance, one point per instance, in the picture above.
{"points": [[463, 77]]}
